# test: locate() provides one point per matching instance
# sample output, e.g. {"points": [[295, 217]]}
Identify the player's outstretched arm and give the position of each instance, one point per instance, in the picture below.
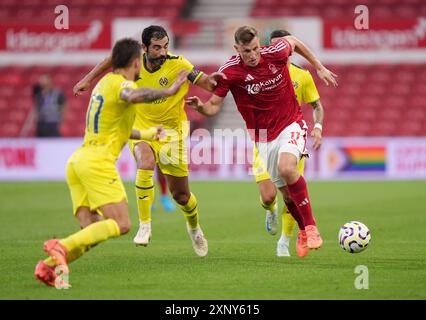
{"points": [[209, 82], [323, 73], [99, 69], [148, 95], [318, 116], [154, 133], [209, 109]]}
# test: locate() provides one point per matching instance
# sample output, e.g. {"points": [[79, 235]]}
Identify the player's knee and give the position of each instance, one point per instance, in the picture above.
{"points": [[85, 223], [268, 196], [124, 225], [287, 171], [146, 164], [181, 198]]}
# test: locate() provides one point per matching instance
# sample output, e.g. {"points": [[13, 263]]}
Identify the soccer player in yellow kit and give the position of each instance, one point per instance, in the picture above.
{"points": [[159, 69], [306, 92], [96, 188]]}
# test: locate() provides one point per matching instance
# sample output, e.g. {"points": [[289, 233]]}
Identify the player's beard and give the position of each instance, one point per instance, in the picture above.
{"points": [[156, 61]]}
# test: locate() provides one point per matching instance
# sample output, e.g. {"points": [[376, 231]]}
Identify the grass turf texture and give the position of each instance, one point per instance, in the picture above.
{"points": [[241, 263]]}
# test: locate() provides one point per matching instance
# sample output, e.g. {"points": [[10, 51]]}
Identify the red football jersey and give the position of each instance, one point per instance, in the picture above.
{"points": [[264, 94]]}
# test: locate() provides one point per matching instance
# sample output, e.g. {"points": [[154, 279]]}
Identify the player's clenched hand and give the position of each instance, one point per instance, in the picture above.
{"points": [[80, 87], [180, 80], [327, 76], [214, 77], [317, 135], [194, 103]]}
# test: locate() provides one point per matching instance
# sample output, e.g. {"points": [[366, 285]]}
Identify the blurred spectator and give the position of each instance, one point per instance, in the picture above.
{"points": [[49, 106]]}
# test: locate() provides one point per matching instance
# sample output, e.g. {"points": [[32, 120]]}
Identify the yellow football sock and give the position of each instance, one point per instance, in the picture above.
{"points": [[268, 207], [144, 194], [71, 256], [288, 222], [77, 243], [190, 211]]}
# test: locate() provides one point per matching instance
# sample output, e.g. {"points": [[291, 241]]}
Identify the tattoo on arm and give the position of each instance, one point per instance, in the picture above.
{"points": [[142, 94], [148, 95], [318, 112]]}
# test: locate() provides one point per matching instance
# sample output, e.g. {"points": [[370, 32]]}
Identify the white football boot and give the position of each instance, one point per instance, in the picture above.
{"points": [[282, 246], [271, 220], [199, 242], [143, 237]]}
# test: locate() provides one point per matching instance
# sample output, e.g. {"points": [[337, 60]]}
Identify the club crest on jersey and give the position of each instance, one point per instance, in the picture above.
{"points": [[163, 81], [295, 84], [273, 69]]}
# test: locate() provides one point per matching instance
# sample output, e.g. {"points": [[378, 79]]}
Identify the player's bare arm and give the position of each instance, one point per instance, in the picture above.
{"points": [[318, 115], [208, 109], [99, 69], [154, 133], [323, 73], [148, 94], [209, 82]]}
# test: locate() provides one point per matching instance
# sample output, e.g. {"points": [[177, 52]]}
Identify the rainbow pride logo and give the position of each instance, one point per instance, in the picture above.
{"points": [[364, 158]]}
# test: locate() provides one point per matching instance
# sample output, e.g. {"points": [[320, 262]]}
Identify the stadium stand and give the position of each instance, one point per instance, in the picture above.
{"points": [[370, 101], [338, 9]]}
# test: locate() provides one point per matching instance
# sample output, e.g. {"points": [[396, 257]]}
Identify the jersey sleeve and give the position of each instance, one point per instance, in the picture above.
{"points": [[310, 92], [194, 72], [280, 50], [124, 85], [222, 87]]}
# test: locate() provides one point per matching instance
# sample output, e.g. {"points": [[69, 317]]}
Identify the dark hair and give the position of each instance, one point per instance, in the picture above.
{"points": [[245, 35], [153, 32], [279, 34], [124, 51]]}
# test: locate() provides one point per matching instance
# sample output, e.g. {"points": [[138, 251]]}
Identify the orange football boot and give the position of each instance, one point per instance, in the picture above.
{"points": [[301, 244], [314, 239]]}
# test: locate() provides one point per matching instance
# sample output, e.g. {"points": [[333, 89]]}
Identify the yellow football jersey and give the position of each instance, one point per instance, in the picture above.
{"points": [[109, 119], [168, 111], [304, 85]]}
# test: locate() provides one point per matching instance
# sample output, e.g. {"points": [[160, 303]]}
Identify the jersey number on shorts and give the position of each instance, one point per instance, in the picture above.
{"points": [[95, 98]]}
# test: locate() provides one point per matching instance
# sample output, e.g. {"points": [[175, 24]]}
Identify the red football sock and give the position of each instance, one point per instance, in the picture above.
{"points": [[163, 183], [298, 191], [292, 208]]}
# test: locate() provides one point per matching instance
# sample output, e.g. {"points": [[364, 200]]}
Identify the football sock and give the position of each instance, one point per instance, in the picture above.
{"points": [[144, 194], [190, 211], [292, 209], [72, 255], [298, 191], [77, 243], [269, 207], [288, 222], [163, 183]]}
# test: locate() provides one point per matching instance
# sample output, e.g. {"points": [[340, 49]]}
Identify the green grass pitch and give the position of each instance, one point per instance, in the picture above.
{"points": [[241, 263]]}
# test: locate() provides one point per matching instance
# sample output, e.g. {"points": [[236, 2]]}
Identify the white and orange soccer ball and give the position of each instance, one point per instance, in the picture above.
{"points": [[354, 236]]}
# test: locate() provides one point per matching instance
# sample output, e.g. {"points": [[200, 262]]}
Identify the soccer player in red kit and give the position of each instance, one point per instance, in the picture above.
{"points": [[260, 83]]}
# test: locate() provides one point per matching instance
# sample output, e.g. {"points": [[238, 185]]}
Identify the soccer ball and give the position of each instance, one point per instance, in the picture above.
{"points": [[354, 237]]}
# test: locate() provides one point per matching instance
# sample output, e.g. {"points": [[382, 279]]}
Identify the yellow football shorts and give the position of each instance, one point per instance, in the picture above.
{"points": [[171, 156], [259, 169], [93, 180]]}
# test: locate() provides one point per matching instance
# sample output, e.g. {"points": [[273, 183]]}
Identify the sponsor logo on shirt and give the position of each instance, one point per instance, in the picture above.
{"points": [[249, 78], [270, 84]]}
